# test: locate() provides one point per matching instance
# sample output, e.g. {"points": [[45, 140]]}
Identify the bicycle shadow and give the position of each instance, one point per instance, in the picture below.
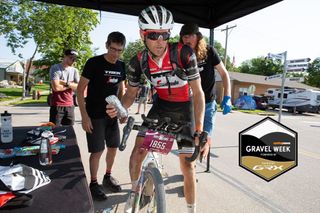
{"points": [[113, 201], [175, 189]]}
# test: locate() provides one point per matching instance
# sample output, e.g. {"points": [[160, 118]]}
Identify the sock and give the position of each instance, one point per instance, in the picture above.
{"points": [[191, 208], [93, 180], [108, 172], [134, 185]]}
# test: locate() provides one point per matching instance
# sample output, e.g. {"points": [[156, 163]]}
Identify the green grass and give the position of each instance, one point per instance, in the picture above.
{"points": [[14, 93], [41, 87], [42, 100], [257, 112]]}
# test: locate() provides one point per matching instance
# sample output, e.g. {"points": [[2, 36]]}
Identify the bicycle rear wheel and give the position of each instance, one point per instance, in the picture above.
{"points": [[153, 194]]}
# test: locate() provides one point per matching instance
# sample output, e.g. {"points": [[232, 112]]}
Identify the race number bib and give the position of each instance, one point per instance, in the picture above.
{"points": [[157, 142]]}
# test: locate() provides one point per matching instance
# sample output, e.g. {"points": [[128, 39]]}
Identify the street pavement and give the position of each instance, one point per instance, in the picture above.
{"points": [[228, 187]]}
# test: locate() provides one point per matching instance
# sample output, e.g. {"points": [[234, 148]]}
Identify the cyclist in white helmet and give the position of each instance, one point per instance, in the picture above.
{"points": [[172, 70]]}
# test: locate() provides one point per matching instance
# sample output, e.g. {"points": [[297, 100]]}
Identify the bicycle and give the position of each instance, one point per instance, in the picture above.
{"points": [[160, 136]]}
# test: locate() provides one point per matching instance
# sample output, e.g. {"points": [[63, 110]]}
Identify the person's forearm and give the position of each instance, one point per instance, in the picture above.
{"points": [[121, 91], [73, 86], [80, 96], [226, 85], [129, 97], [81, 104], [199, 107], [127, 100], [59, 88], [225, 79]]}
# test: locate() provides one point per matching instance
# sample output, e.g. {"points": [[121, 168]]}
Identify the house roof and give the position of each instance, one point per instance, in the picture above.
{"points": [[261, 79], [12, 66], [4, 63]]}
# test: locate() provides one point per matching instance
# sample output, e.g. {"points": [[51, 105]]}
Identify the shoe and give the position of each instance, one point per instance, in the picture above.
{"points": [[129, 203], [137, 113], [97, 192], [111, 183]]}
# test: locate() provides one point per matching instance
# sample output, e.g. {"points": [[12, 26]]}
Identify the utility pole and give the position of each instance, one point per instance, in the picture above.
{"points": [[226, 44]]}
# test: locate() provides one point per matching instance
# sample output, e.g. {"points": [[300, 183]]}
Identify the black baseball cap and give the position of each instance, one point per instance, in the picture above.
{"points": [[71, 52], [190, 28]]}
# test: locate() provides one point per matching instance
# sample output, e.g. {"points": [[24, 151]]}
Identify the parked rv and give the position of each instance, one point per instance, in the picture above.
{"points": [[295, 100]]}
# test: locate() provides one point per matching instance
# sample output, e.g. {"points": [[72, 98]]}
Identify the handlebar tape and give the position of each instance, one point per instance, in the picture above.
{"points": [[202, 142]]}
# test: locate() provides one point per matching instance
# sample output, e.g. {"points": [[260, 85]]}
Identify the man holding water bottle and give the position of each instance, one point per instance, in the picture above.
{"points": [[102, 76]]}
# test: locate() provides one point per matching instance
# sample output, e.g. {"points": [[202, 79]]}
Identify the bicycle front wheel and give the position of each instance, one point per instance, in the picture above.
{"points": [[153, 193]]}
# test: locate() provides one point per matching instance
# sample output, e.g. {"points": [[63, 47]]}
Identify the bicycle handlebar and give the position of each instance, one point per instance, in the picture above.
{"points": [[126, 132], [164, 126]]}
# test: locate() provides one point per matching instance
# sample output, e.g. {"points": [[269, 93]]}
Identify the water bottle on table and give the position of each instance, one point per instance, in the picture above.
{"points": [[45, 152], [6, 128]]}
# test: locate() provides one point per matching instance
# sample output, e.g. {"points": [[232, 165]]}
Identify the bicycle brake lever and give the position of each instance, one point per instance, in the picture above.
{"points": [[126, 132]]}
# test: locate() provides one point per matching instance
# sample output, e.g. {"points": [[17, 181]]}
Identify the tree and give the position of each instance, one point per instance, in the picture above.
{"points": [[53, 28], [261, 66], [313, 79], [131, 50]]}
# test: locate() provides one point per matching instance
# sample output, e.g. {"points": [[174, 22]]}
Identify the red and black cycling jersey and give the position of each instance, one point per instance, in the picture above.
{"points": [[169, 79]]}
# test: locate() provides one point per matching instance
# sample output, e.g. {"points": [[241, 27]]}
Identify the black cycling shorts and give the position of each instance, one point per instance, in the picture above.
{"points": [[105, 133], [178, 112], [62, 115]]}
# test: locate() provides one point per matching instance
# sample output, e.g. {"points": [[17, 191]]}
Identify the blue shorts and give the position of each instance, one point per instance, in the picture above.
{"points": [[210, 117]]}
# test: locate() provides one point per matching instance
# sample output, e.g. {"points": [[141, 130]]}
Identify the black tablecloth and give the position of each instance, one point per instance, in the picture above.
{"points": [[68, 191]]}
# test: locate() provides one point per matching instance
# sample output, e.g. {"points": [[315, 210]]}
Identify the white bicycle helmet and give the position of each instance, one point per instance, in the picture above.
{"points": [[155, 17]]}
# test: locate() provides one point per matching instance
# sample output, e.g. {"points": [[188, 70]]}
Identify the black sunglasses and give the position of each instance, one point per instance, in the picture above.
{"points": [[157, 35]]}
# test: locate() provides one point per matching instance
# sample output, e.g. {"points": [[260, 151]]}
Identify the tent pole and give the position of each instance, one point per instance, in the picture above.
{"points": [[211, 43]]}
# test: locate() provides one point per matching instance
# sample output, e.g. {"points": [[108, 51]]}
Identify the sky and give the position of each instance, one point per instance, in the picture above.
{"points": [[291, 25]]}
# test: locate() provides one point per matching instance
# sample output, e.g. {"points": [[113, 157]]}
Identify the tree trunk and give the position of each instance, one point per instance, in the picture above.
{"points": [[30, 62]]}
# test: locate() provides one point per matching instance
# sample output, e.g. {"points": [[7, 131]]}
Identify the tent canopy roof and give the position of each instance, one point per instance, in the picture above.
{"points": [[206, 13]]}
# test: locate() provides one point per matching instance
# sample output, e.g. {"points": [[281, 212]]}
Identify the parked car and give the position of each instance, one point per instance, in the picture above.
{"points": [[261, 101]]}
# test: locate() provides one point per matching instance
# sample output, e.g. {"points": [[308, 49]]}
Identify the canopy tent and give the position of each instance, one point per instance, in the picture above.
{"points": [[206, 13]]}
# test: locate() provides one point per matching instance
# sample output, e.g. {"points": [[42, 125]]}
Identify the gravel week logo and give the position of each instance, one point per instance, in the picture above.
{"points": [[268, 149]]}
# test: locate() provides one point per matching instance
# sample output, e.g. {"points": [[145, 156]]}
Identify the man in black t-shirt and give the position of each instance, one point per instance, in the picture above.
{"points": [[102, 76], [208, 61]]}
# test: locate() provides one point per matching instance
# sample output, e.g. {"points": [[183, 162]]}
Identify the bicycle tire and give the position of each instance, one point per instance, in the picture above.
{"points": [[153, 174]]}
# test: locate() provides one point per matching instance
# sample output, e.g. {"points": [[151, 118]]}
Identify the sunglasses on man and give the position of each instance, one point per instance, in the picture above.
{"points": [[157, 35]]}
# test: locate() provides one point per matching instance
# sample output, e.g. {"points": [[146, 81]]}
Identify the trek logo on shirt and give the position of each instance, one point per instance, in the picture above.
{"points": [[201, 65], [112, 76]]}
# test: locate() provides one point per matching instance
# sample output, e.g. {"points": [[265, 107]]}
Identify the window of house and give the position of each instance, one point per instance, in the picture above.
{"points": [[243, 91]]}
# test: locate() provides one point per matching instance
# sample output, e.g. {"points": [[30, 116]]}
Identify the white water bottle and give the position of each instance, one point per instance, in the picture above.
{"points": [[6, 128], [45, 152]]}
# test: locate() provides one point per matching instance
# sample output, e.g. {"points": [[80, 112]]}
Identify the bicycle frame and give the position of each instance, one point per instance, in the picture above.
{"points": [[160, 136]]}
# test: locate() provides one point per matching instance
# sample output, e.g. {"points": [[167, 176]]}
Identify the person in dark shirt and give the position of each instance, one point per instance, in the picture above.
{"points": [[208, 61], [102, 76]]}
